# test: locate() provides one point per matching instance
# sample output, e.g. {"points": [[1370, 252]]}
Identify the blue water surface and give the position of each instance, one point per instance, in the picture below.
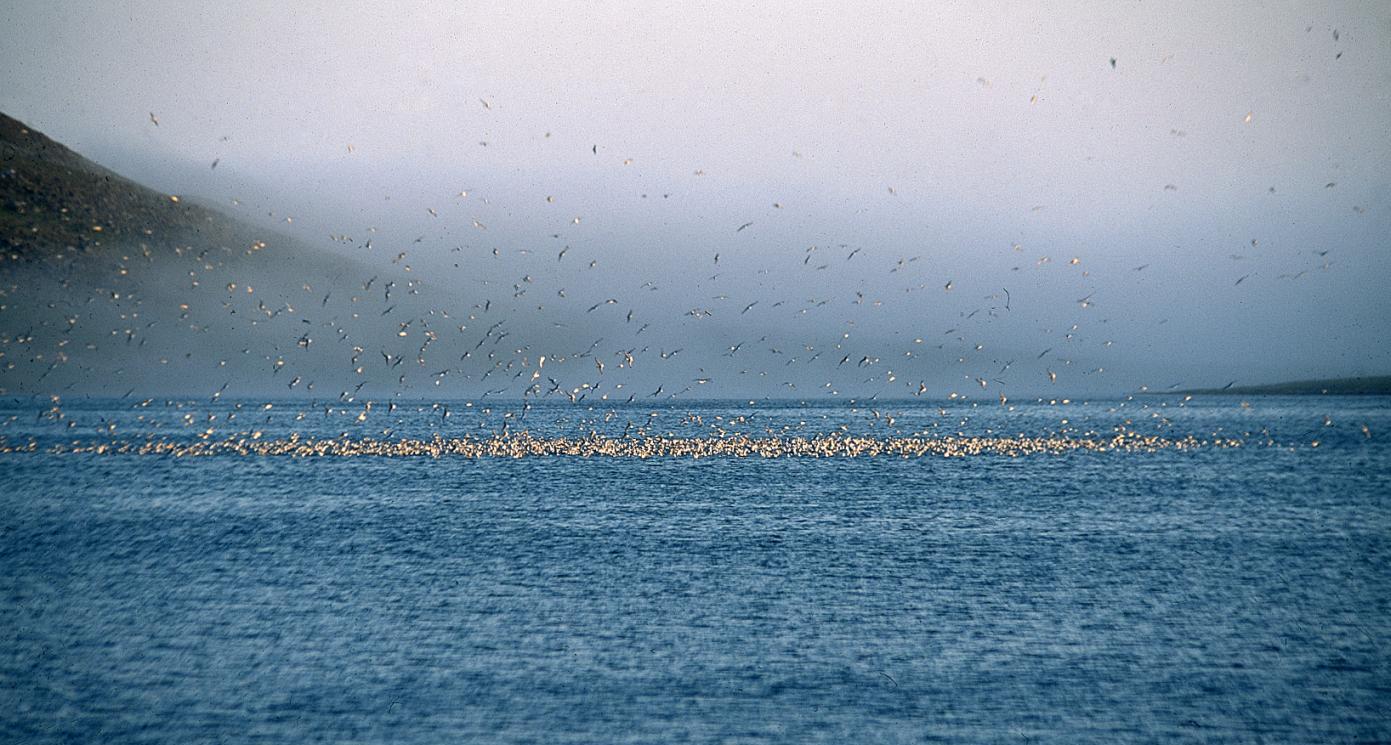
{"points": [[1207, 595]]}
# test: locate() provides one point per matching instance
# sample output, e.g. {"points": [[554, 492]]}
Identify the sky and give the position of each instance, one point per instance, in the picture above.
{"points": [[1151, 194]]}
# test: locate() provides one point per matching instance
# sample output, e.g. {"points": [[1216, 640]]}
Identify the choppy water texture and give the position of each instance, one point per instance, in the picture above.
{"points": [[1217, 594]]}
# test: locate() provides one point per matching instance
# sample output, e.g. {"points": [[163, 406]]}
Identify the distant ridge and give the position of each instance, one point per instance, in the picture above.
{"points": [[54, 200], [109, 286], [1376, 385]]}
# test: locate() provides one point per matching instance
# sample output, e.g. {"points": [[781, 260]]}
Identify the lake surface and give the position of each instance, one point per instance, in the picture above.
{"points": [[1238, 594]]}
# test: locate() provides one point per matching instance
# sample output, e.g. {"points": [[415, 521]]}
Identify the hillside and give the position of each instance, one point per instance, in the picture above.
{"points": [[53, 201], [109, 287], [1379, 385]]}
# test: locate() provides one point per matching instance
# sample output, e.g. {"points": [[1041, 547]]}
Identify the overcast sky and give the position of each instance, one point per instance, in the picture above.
{"points": [[1221, 146]]}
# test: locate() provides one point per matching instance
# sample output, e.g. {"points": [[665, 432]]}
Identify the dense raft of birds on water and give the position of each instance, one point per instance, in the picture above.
{"points": [[522, 445]]}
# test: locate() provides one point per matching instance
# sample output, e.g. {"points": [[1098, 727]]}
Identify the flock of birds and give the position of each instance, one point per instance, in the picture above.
{"points": [[525, 445], [547, 331]]}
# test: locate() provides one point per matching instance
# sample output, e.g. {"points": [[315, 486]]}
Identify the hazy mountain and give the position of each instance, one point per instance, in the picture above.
{"points": [[1377, 385], [109, 287]]}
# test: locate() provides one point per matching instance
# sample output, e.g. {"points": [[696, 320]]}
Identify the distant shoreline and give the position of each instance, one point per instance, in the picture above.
{"points": [[1377, 385]]}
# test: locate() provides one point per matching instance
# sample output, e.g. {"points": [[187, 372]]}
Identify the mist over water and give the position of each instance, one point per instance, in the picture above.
{"points": [[942, 197]]}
